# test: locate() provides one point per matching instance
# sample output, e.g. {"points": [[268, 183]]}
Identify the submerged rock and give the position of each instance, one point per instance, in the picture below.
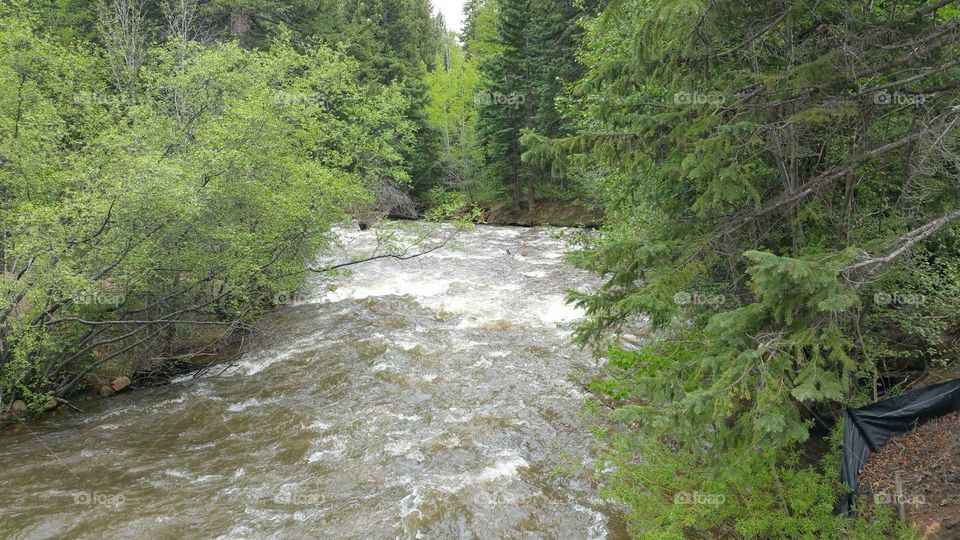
{"points": [[500, 324]]}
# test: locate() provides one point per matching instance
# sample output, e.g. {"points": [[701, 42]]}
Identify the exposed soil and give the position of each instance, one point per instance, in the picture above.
{"points": [[928, 459], [546, 213]]}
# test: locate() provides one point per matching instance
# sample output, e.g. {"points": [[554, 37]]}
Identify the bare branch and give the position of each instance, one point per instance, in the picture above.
{"points": [[906, 242], [404, 255], [122, 25]]}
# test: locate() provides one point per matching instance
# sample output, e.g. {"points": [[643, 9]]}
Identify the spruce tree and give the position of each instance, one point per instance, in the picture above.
{"points": [[534, 57], [778, 176]]}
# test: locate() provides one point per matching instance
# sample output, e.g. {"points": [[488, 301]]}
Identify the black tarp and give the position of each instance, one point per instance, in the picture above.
{"points": [[867, 429]]}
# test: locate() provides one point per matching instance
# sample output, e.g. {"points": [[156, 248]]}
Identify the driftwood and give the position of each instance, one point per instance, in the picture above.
{"points": [[61, 401]]}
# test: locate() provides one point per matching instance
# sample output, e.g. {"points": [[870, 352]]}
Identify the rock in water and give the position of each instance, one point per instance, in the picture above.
{"points": [[18, 407], [107, 391], [500, 324], [120, 384]]}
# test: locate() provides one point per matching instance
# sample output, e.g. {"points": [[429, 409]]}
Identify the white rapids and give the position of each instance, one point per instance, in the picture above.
{"points": [[426, 398]]}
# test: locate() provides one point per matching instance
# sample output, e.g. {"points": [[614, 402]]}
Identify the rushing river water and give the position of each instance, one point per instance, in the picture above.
{"points": [[420, 399]]}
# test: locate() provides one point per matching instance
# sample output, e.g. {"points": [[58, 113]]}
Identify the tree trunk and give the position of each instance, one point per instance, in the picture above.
{"points": [[531, 198], [516, 191]]}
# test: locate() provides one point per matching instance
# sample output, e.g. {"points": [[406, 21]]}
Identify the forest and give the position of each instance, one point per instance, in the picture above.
{"points": [[770, 190]]}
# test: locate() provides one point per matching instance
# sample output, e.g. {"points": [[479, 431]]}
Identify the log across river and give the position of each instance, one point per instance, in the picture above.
{"points": [[427, 398]]}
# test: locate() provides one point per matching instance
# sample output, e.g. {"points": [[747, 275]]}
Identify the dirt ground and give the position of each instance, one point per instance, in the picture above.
{"points": [[548, 212], [928, 459]]}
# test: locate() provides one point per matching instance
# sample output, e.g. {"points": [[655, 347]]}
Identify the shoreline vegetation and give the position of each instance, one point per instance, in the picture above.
{"points": [[216, 348]]}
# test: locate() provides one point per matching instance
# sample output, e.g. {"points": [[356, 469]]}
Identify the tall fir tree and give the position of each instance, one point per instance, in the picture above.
{"points": [[526, 71], [777, 174]]}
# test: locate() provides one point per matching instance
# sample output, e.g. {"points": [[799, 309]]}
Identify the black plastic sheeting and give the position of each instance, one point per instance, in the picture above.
{"points": [[867, 429]]}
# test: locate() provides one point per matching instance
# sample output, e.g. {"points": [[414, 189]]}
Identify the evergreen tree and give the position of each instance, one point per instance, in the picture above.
{"points": [[504, 106], [479, 37], [525, 72], [771, 169]]}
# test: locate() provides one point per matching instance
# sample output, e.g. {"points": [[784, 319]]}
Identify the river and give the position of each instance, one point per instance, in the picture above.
{"points": [[427, 398]]}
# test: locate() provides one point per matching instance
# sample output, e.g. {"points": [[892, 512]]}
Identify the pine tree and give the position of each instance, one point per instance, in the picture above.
{"points": [[770, 168], [505, 107], [535, 54]]}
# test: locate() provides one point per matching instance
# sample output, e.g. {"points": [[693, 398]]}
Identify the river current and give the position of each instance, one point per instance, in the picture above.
{"points": [[428, 398]]}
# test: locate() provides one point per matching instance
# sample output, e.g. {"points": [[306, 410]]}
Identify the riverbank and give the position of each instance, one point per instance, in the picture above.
{"points": [[210, 346], [204, 350], [547, 213]]}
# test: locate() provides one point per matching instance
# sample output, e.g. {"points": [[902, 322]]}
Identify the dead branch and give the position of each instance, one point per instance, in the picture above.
{"points": [[404, 255], [905, 242]]}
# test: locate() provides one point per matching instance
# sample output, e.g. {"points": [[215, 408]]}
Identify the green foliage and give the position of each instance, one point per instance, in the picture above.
{"points": [[127, 222], [672, 493], [768, 172], [675, 472], [524, 69], [451, 112], [480, 37]]}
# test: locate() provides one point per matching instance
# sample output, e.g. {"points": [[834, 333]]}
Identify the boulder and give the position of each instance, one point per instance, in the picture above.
{"points": [[500, 324], [107, 391], [18, 407], [120, 384]]}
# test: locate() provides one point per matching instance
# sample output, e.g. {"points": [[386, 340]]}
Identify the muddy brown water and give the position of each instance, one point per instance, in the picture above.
{"points": [[421, 399]]}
